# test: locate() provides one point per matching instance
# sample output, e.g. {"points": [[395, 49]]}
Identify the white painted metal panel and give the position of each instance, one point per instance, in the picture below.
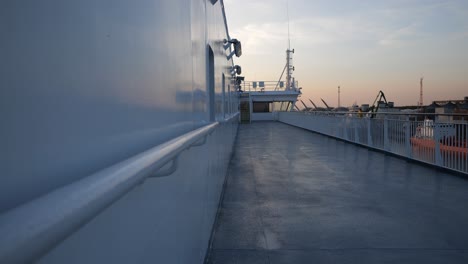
{"points": [[270, 116], [87, 84]]}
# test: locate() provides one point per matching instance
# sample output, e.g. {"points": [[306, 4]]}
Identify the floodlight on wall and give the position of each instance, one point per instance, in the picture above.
{"points": [[238, 83], [239, 79], [237, 47], [236, 70]]}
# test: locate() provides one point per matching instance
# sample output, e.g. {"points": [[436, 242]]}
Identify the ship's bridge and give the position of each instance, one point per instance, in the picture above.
{"points": [[261, 100]]}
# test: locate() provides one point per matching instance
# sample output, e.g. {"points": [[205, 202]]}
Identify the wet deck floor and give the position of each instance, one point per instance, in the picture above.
{"points": [[293, 196]]}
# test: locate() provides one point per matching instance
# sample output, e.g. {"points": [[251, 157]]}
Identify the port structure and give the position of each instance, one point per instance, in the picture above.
{"points": [[339, 102], [421, 103]]}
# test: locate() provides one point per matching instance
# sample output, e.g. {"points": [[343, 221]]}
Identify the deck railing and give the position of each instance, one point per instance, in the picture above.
{"points": [[258, 86], [440, 140]]}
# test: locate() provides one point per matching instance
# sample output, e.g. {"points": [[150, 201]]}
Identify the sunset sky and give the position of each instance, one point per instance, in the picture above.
{"points": [[362, 45]]}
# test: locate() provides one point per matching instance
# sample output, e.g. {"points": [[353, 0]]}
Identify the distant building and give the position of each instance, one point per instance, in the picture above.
{"points": [[450, 107], [464, 105], [431, 108]]}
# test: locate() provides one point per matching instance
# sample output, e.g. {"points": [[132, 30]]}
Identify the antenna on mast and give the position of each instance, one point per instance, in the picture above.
{"points": [[290, 83], [287, 14]]}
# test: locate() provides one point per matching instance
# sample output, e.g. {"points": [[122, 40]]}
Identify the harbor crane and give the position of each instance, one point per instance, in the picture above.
{"points": [[328, 107], [316, 108], [421, 103], [380, 99], [306, 108]]}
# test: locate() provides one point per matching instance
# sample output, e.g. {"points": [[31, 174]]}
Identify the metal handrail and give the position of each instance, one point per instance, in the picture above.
{"points": [[267, 85], [31, 230]]}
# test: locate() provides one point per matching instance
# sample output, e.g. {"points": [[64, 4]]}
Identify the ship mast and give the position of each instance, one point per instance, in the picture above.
{"points": [[290, 68], [290, 84]]}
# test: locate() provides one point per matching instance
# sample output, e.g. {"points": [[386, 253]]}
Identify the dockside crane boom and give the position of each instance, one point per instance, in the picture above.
{"points": [[328, 107], [306, 108], [380, 98], [313, 104]]}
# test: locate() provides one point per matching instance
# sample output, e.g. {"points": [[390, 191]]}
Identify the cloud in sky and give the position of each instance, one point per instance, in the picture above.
{"points": [[383, 25], [351, 38]]}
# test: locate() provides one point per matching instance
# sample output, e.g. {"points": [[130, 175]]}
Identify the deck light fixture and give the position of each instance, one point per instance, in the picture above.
{"points": [[238, 81], [236, 70], [237, 47]]}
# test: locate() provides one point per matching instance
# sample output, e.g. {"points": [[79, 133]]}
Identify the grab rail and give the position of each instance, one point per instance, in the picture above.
{"points": [[29, 231]]}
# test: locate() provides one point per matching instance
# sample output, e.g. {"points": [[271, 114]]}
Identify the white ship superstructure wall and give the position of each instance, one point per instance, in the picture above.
{"points": [[88, 84]]}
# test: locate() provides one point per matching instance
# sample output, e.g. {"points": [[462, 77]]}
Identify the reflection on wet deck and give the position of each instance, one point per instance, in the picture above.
{"points": [[293, 196]]}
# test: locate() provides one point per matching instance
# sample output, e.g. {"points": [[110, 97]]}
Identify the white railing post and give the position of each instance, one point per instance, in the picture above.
{"points": [[345, 128], [369, 132], [409, 152], [438, 156], [356, 122], [335, 126], [466, 146], [386, 141]]}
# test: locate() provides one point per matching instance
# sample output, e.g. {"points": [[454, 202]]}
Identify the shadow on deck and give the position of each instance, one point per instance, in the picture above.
{"points": [[293, 196]]}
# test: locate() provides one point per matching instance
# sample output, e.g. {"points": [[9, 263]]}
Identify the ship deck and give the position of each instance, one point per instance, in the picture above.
{"points": [[293, 196]]}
